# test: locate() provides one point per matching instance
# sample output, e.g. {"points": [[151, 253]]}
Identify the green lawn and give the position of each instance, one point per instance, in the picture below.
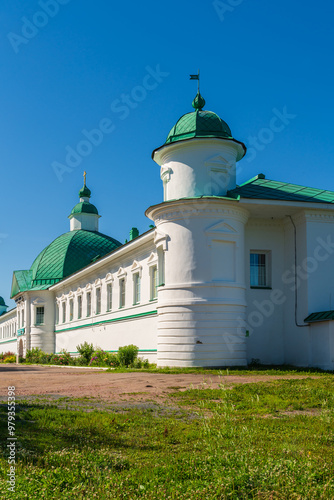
{"points": [[271, 440]]}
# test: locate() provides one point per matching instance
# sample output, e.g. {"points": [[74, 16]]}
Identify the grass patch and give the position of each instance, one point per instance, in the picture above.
{"points": [[242, 371], [264, 397], [226, 451]]}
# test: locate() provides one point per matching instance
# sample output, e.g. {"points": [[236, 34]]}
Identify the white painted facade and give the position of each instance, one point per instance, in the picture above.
{"points": [[184, 292]]}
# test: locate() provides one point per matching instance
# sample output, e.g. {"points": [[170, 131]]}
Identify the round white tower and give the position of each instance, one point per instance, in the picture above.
{"points": [[200, 231]]}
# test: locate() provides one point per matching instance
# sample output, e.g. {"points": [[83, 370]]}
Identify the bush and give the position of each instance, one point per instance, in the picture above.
{"points": [[140, 363], [86, 351], [127, 355], [114, 360], [64, 358], [5, 355], [100, 358], [35, 355], [10, 359]]}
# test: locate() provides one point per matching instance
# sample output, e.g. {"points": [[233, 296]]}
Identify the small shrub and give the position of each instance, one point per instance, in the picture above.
{"points": [[114, 360], [10, 359], [35, 355], [127, 355], [100, 358], [86, 351], [64, 358], [5, 355], [80, 361]]}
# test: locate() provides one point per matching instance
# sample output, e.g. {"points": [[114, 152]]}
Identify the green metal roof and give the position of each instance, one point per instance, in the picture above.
{"points": [[84, 207], [320, 316], [262, 188], [2, 302], [199, 123], [67, 254]]}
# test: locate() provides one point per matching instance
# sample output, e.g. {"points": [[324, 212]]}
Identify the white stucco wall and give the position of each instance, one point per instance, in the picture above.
{"points": [[198, 167], [265, 307], [204, 290], [8, 331], [130, 324]]}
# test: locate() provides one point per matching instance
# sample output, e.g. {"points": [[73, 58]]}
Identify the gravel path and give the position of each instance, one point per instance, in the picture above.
{"points": [[113, 387]]}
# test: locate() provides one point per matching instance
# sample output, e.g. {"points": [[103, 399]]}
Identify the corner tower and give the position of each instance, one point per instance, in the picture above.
{"points": [[200, 244], [199, 156]]}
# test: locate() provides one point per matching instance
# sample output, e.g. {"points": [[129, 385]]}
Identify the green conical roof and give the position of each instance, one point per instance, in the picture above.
{"points": [[68, 253]]}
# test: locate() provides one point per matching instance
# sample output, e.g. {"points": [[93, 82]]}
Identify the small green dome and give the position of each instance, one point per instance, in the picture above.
{"points": [[84, 207], [199, 123], [2, 302], [68, 253], [85, 192]]}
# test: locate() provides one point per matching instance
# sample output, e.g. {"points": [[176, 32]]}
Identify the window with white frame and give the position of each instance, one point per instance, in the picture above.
{"points": [[40, 315], [136, 288], [89, 303], [57, 313], [22, 318], [109, 297], [260, 269], [122, 292], [64, 311], [79, 306], [154, 282], [71, 309], [98, 301]]}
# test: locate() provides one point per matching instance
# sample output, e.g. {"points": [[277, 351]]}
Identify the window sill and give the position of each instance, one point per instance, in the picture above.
{"points": [[261, 287], [153, 300]]}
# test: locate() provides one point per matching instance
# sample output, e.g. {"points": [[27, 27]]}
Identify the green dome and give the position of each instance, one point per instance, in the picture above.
{"points": [[69, 253], [199, 123], [2, 302], [85, 192], [84, 207]]}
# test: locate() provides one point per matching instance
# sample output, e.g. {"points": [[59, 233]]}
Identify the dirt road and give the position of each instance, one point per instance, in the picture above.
{"points": [[109, 386]]}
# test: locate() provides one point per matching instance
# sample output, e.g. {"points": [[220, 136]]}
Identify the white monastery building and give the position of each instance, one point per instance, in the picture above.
{"points": [[226, 274]]}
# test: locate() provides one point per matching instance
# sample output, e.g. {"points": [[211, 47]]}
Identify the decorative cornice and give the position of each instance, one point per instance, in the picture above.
{"points": [[197, 208], [253, 222]]}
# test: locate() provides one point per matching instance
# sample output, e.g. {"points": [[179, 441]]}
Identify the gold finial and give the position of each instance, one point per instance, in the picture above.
{"points": [[84, 175]]}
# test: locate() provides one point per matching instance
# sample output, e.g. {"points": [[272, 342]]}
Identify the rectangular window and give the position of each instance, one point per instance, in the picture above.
{"points": [[122, 292], [71, 309], [109, 297], [39, 315], [64, 312], [154, 283], [57, 313], [136, 288], [22, 318], [89, 303], [98, 300], [260, 269], [79, 306]]}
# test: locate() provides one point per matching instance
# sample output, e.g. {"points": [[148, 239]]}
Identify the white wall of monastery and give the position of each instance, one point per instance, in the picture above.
{"points": [[131, 323], [265, 307], [8, 328]]}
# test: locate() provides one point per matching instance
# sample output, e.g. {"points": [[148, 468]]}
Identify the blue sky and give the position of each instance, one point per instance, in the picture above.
{"points": [[70, 73]]}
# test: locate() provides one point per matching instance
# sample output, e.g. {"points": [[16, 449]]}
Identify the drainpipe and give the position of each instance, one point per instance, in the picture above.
{"points": [[296, 289]]}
